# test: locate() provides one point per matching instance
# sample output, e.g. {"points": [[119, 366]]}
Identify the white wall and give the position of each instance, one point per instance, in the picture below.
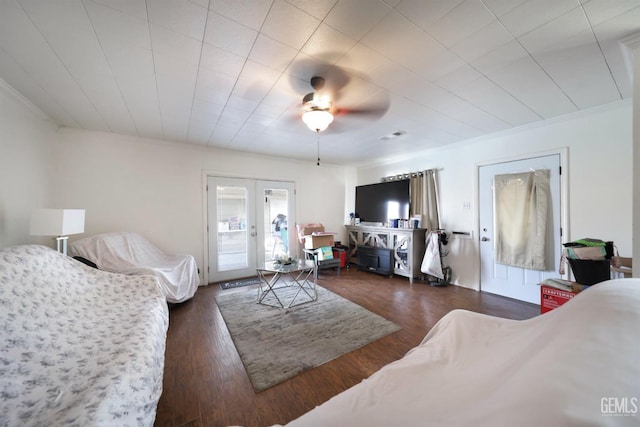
{"points": [[633, 43], [26, 141], [600, 172], [156, 188]]}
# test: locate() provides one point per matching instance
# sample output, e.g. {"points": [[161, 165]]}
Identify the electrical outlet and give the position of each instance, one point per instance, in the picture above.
{"points": [[466, 205]]}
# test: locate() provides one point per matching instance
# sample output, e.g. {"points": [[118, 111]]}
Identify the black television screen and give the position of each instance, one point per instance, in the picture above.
{"points": [[383, 201]]}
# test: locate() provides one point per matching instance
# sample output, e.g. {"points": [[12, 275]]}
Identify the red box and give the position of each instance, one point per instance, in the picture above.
{"points": [[551, 298]]}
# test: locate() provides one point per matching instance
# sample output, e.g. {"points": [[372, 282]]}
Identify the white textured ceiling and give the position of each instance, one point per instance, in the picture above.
{"points": [[232, 74]]}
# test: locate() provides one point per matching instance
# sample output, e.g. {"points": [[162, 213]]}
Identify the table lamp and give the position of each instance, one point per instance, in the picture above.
{"points": [[57, 222]]}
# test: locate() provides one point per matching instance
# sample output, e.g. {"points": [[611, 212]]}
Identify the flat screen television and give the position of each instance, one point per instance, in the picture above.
{"points": [[383, 201]]}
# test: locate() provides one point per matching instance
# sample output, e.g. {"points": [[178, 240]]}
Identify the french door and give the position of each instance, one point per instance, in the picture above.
{"points": [[248, 224]]}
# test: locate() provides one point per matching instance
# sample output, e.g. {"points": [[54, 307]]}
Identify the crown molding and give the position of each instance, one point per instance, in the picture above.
{"points": [[17, 96], [632, 41], [568, 117]]}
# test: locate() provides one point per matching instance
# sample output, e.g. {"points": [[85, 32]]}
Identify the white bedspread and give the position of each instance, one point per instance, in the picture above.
{"points": [[78, 346], [130, 253], [578, 365]]}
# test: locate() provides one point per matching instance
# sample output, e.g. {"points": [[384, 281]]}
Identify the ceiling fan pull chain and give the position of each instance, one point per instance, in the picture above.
{"points": [[318, 147]]}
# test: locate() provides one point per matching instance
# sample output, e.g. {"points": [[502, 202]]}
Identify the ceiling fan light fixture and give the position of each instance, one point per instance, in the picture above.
{"points": [[317, 119]]}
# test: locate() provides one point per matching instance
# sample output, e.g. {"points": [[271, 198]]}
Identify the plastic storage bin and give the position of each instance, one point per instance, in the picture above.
{"points": [[590, 272]]}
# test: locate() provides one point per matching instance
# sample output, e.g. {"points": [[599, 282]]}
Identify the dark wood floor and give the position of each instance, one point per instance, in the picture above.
{"points": [[205, 383]]}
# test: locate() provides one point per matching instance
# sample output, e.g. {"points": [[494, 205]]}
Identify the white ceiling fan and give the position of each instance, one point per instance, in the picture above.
{"points": [[316, 107], [319, 110]]}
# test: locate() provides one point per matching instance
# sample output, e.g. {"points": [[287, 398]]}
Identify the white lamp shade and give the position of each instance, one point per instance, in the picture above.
{"points": [[57, 222], [317, 120]]}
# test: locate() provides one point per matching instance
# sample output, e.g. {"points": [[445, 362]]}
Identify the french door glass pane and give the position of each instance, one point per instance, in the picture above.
{"points": [[276, 222], [232, 228]]}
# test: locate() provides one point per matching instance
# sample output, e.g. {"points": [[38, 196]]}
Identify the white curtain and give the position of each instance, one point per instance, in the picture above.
{"points": [[521, 210], [424, 199]]}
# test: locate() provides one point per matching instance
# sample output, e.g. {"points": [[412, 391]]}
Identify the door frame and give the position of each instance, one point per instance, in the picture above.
{"points": [[205, 214], [565, 235]]}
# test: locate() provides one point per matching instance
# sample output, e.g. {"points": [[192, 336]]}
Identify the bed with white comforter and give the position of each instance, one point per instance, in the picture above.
{"points": [[78, 346], [578, 365]]}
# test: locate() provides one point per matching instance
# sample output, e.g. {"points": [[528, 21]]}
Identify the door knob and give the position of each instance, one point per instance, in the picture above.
{"points": [[485, 239]]}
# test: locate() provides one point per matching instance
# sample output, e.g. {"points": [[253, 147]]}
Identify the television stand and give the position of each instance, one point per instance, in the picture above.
{"points": [[407, 246]]}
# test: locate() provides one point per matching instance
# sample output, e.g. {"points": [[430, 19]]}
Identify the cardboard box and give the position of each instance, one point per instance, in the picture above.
{"points": [[577, 287], [318, 240], [315, 237], [551, 298], [308, 230]]}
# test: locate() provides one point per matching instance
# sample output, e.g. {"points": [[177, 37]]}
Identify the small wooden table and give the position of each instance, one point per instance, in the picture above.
{"points": [[295, 274]]}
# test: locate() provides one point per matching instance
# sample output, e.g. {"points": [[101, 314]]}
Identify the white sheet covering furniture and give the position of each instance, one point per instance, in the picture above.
{"points": [[130, 253], [78, 346], [572, 366]]}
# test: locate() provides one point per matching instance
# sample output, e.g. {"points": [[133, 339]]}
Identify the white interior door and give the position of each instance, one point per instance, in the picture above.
{"points": [[248, 224], [514, 282]]}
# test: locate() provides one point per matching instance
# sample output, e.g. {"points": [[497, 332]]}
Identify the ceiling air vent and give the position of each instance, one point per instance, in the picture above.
{"points": [[392, 135]]}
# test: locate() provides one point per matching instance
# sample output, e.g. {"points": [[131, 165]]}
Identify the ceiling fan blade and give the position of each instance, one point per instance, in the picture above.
{"points": [[375, 111], [373, 106]]}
